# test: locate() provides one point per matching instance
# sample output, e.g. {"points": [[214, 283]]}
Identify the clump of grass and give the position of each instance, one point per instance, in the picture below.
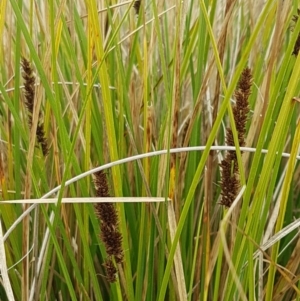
{"points": [[94, 82], [110, 234], [29, 86], [230, 183]]}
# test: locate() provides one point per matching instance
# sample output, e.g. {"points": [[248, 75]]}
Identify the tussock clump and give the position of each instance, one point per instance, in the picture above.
{"points": [[107, 214], [29, 84], [229, 167]]}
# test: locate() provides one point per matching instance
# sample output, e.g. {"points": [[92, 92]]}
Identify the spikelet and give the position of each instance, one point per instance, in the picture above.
{"points": [[29, 84], [107, 214], [297, 44], [229, 167], [137, 5], [111, 271], [230, 183]]}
